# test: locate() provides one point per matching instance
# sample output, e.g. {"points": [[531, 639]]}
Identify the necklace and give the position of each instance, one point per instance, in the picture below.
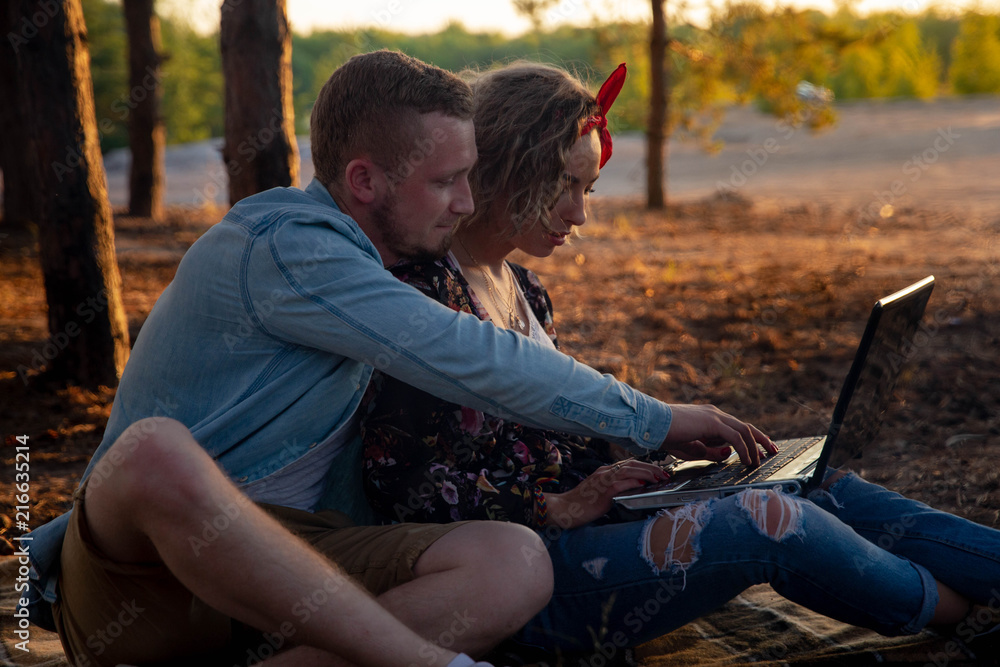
{"points": [[514, 320]]}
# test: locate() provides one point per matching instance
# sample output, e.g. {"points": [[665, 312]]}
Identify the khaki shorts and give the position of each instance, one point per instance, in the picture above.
{"points": [[110, 613]]}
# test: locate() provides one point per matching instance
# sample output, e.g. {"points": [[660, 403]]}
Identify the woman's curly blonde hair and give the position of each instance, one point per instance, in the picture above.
{"points": [[527, 118]]}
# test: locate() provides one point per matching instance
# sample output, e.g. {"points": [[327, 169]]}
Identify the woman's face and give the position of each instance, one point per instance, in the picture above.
{"points": [[582, 170]]}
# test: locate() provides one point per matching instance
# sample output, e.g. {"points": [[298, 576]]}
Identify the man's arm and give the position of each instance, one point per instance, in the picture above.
{"points": [[340, 300]]}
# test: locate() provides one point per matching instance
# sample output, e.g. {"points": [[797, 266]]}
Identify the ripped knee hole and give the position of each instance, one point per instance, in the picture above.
{"points": [[670, 538], [777, 515]]}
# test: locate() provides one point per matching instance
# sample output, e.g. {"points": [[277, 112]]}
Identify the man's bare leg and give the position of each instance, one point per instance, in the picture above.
{"points": [[482, 560], [490, 609], [161, 487]]}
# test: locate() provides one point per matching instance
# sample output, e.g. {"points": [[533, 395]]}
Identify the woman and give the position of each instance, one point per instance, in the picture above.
{"points": [[542, 139]]}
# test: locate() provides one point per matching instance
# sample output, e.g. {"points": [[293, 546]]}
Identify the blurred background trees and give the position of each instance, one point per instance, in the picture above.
{"points": [[145, 124], [884, 55], [975, 62], [50, 77], [260, 151]]}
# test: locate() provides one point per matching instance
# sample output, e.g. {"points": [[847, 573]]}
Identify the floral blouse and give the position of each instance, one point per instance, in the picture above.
{"points": [[432, 461]]}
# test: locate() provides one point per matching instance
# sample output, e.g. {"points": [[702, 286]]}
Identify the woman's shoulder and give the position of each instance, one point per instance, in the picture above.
{"points": [[528, 279], [440, 280], [537, 297], [423, 271]]}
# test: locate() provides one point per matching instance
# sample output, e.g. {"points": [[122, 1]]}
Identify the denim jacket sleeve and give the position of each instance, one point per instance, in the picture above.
{"points": [[341, 301], [266, 338]]}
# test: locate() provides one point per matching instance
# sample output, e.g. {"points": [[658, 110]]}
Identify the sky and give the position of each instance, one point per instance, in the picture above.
{"points": [[419, 16]]}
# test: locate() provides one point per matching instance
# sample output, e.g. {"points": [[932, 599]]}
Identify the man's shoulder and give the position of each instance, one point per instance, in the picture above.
{"points": [[313, 204], [295, 216]]}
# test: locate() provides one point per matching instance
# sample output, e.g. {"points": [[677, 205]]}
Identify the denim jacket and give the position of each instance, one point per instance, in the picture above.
{"points": [[264, 342]]}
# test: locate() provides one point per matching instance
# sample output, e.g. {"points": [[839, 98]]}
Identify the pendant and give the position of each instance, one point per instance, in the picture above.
{"points": [[520, 322]]}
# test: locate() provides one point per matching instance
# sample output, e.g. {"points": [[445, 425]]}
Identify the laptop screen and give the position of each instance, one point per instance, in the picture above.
{"points": [[889, 341]]}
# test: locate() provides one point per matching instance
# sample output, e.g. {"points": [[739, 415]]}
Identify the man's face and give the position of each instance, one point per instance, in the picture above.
{"points": [[427, 192]]}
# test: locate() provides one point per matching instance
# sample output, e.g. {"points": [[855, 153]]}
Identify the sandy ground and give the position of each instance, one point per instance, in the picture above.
{"points": [[902, 153]]}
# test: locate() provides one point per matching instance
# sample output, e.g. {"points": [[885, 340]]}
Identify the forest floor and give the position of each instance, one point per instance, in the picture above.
{"points": [[754, 308]]}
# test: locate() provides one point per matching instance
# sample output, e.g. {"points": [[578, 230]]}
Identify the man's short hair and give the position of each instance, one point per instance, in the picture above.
{"points": [[371, 106]]}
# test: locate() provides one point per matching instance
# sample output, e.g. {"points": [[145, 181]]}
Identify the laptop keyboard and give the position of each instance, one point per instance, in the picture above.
{"points": [[737, 473]]}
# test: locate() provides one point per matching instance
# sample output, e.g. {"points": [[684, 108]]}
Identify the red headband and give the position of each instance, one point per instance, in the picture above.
{"points": [[605, 98]]}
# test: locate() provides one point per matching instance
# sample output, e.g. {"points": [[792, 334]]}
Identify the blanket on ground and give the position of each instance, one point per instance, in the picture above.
{"points": [[758, 627]]}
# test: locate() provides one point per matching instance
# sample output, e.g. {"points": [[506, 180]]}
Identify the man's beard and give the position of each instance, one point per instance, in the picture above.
{"points": [[387, 223]]}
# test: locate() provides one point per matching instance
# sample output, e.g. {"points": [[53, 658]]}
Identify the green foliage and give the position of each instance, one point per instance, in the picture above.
{"points": [[975, 64], [315, 56], [191, 76], [860, 73], [695, 71], [911, 68], [892, 59], [768, 54], [938, 32], [192, 84], [108, 70], [746, 54]]}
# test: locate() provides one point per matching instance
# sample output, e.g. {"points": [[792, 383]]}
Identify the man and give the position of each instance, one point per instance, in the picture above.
{"points": [[243, 384]]}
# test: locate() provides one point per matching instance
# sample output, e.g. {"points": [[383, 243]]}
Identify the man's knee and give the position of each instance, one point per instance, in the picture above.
{"points": [[519, 544], [151, 452], [525, 580], [511, 550]]}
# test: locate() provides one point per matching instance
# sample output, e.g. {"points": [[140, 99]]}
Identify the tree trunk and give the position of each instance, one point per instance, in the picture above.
{"points": [[260, 150], [145, 125], [14, 146], [88, 342], [656, 146]]}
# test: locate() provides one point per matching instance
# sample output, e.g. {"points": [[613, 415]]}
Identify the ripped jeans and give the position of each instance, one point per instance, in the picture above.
{"points": [[859, 553]]}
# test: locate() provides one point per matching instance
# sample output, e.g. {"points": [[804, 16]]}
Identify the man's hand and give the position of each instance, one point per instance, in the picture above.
{"points": [[706, 432]]}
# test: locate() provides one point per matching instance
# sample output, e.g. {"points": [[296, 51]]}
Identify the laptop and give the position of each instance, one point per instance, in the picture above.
{"points": [[801, 463]]}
